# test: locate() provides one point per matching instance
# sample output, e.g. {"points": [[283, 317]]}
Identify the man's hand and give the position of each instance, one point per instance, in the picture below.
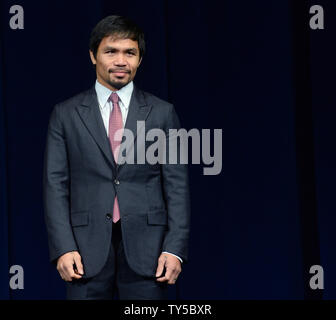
{"points": [[173, 268], [65, 266]]}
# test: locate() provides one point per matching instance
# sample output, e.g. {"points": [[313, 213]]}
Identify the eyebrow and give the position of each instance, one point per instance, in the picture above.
{"points": [[113, 48]]}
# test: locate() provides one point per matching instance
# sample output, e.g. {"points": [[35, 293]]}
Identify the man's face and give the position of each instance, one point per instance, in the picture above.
{"points": [[116, 62]]}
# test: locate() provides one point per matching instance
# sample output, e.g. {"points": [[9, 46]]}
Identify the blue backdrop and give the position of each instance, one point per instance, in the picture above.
{"points": [[253, 69]]}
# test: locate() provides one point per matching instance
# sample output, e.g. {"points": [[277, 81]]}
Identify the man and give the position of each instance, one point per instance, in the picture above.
{"points": [[114, 227]]}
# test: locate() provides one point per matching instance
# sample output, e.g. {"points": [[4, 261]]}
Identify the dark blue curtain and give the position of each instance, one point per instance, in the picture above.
{"points": [[4, 267], [323, 101], [250, 68]]}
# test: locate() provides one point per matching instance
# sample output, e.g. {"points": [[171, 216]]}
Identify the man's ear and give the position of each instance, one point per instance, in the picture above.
{"points": [[92, 57], [139, 61]]}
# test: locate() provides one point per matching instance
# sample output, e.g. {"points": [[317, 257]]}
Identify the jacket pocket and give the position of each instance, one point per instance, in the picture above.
{"points": [[159, 217], [79, 218]]}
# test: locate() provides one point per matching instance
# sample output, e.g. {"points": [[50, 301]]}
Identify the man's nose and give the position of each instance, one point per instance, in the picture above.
{"points": [[120, 60]]}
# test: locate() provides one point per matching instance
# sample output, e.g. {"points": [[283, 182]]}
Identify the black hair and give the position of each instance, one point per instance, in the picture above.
{"points": [[118, 26]]}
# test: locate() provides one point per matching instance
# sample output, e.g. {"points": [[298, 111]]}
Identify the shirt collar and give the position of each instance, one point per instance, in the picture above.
{"points": [[103, 94]]}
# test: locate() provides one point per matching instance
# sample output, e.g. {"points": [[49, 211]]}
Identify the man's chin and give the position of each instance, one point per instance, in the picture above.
{"points": [[118, 84]]}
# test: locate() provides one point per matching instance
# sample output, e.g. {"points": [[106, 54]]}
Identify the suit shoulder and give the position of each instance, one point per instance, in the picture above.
{"points": [[74, 100], [156, 101]]}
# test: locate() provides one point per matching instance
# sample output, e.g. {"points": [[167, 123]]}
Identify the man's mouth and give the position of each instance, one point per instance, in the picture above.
{"points": [[119, 73]]}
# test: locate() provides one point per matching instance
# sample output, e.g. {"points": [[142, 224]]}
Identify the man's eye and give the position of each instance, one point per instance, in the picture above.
{"points": [[131, 53]]}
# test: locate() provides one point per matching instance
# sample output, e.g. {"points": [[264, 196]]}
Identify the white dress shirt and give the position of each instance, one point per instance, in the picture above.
{"points": [[106, 106]]}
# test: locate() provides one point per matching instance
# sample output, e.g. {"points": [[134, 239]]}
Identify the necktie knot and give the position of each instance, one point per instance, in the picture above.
{"points": [[114, 98]]}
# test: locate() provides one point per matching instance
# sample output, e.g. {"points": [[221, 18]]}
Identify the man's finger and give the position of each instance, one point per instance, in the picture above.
{"points": [[76, 276], [162, 279], [65, 276], [70, 273], [160, 267], [61, 274], [173, 277], [166, 276], [169, 272], [78, 263]]}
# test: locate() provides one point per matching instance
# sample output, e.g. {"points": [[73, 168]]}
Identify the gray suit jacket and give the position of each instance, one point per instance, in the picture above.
{"points": [[81, 179]]}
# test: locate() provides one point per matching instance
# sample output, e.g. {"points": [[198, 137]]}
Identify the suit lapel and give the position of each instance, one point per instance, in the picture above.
{"points": [[91, 116]]}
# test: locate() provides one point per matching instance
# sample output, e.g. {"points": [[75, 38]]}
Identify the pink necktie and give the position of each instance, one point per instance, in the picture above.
{"points": [[115, 124]]}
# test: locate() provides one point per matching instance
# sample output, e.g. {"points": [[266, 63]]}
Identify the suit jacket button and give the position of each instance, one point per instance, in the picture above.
{"points": [[109, 216], [116, 181]]}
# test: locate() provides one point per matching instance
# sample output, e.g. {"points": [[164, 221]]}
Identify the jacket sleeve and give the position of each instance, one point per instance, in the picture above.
{"points": [[56, 189], [176, 191]]}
